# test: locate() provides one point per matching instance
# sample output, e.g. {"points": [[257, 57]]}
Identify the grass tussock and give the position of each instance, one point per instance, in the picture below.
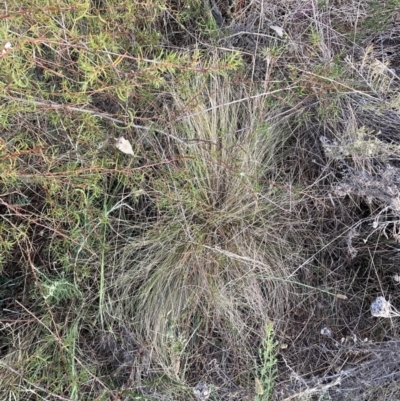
{"points": [[214, 254]]}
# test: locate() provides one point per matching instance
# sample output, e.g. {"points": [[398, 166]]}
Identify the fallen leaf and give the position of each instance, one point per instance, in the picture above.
{"points": [[124, 146], [278, 30]]}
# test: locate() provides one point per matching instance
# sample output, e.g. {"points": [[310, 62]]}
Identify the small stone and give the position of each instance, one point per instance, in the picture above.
{"points": [[325, 331], [202, 391], [381, 308]]}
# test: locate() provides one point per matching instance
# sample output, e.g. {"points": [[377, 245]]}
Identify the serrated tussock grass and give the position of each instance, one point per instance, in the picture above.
{"points": [[217, 252]]}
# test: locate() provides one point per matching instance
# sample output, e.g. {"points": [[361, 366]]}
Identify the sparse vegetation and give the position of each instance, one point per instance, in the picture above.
{"points": [[259, 203]]}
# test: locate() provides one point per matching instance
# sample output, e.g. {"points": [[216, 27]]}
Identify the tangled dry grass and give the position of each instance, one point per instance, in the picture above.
{"points": [[234, 252]]}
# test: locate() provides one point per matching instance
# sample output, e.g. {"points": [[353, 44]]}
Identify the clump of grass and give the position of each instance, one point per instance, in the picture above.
{"points": [[215, 256]]}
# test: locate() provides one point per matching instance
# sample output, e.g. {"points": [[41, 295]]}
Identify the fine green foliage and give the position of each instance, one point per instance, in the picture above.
{"points": [[267, 371]]}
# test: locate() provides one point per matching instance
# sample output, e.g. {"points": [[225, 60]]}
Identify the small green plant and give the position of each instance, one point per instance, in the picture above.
{"points": [[59, 290], [267, 366]]}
